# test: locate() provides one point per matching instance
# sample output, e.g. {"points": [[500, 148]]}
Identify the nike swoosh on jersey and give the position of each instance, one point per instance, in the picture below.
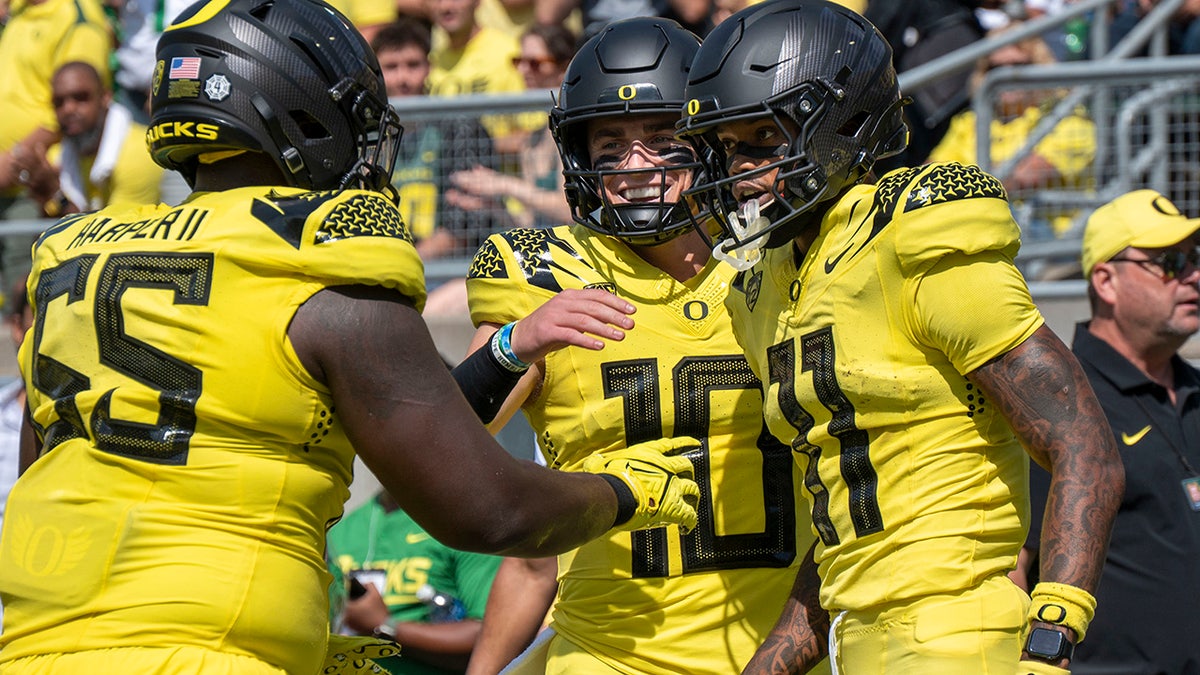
{"points": [[830, 264], [415, 537], [1133, 439]]}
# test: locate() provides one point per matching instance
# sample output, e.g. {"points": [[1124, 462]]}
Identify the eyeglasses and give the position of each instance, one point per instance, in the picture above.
{"points": [[534, 62], [1171, 264]]}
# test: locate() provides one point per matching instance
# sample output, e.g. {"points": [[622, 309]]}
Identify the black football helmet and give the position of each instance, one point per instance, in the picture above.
{"points": [[289, 78], [825, 76], [634, 66]]}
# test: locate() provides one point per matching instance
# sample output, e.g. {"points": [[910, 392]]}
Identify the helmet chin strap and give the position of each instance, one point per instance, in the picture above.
{"points": [[748, 226]]}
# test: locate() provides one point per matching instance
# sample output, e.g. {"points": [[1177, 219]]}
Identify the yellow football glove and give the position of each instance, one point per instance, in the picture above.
{"points": [[1040, 668], [653, 483]]}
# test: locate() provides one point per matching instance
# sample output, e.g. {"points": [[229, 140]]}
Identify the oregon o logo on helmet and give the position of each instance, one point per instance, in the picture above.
{"points": [[627, 92], [693, 106]]}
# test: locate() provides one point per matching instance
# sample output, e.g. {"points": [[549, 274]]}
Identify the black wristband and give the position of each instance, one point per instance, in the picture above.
{"points": [[626, 504], [484, 382]]}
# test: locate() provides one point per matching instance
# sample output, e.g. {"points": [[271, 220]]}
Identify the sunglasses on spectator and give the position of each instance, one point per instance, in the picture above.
{"points": [[1170, 264], [534, 62]]}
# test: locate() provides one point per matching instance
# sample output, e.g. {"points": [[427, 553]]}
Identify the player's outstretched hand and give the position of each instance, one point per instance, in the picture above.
{"points": [[659, 479], [572, 318]]}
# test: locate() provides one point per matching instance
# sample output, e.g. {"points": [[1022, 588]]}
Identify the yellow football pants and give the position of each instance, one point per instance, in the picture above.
{"points": [[975, 631]]}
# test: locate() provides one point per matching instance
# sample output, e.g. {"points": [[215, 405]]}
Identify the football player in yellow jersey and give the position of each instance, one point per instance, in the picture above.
{"points": [[199, 378], [661, 601], [906, 363]]}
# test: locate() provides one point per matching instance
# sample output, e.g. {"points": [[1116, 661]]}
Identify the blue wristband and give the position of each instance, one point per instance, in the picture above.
{"points": [[501, 346]]}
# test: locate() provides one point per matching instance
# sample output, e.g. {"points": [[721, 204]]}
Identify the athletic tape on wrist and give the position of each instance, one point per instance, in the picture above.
{"points": [[485, 382], [501, 345], [1064, 605], [626, 502]]}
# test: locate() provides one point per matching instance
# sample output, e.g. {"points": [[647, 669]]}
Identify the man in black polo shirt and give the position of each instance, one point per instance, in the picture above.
{"points": [[1140, 260]]}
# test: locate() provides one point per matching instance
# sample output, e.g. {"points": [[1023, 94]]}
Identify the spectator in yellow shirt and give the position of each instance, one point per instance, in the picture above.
{"points": [[1062, 159], [40, 36], [103, 157], [468, 58]]}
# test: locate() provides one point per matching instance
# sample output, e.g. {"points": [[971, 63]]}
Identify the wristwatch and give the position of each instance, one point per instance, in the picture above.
{"points": [[385, 631], [1049, 645]]}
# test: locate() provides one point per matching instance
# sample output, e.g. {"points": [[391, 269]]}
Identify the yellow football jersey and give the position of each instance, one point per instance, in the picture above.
{"points": [[190, 464], [657, 601], [916, 482]]}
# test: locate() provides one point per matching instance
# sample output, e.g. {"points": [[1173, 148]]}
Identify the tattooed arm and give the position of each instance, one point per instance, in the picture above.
{"points": [[799, 639], [1047, 399]]}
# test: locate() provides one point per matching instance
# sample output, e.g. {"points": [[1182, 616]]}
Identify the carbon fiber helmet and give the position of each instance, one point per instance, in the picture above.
{"points": [[634, 66], [824, 75], [289, 78]]}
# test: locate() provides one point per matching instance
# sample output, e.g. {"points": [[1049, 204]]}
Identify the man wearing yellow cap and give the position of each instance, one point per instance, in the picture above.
{"points": [[1140, 260]]}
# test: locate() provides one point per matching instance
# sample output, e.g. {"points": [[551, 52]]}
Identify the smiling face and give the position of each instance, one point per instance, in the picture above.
{"points": [[636, 152]]}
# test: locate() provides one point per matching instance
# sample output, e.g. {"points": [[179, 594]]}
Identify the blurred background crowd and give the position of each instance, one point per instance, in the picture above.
{"points": [[999, 85]]}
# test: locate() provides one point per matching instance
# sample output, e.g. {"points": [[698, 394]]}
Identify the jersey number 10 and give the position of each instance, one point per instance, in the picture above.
{"points": [[693, 378]]}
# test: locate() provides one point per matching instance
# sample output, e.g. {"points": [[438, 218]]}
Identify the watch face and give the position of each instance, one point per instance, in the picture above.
{"points": [[1048, 644]]}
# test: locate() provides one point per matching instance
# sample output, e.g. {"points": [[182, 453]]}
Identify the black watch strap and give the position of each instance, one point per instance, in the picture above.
{"points": [[1049, 645]]}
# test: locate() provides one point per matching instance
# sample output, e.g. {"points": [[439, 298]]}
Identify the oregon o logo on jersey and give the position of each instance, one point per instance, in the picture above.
{"points": [[696, 310]]}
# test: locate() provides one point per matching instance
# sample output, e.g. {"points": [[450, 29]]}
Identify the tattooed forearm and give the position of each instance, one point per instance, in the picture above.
{"points": [[799, 640], [1045, 396]]}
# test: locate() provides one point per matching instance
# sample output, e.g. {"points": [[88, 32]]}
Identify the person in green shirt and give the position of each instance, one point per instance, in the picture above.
{"points": [[379, 546]]}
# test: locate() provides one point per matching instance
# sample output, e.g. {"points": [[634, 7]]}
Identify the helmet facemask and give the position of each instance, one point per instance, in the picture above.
{"points": [[633, 70], [377, 138], [794, 183], [800, 180], [647, 222], [823, 75]]}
